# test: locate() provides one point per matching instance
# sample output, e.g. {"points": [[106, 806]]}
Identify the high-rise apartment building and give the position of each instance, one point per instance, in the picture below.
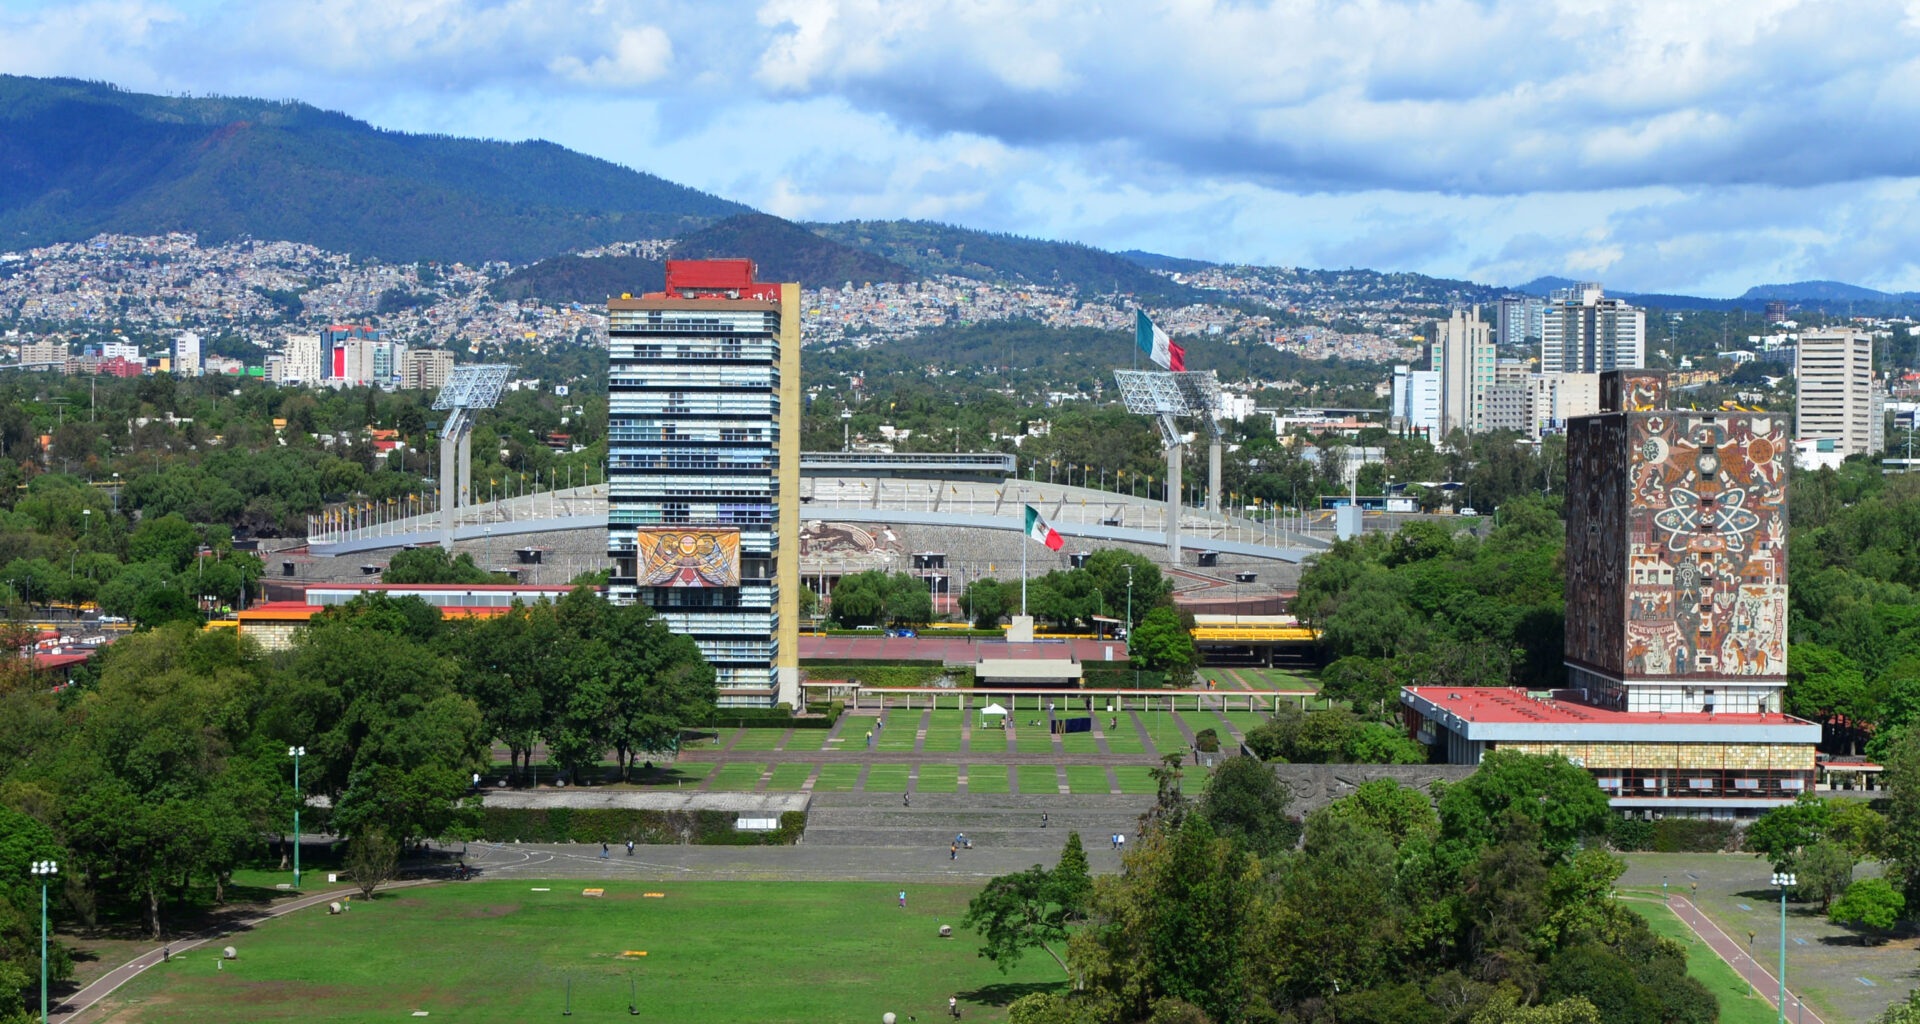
{"points": [[45, 355], [1583, 331], [1833, 369], [425, 368], [1676, 554], [1416, 401], [186, 354], [1463, 356], [299, 361], [1556, 399], [334, 342], [703, 466], [1518, 320]]}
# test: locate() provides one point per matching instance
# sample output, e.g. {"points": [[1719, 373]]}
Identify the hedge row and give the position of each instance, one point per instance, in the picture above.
{"points": [[1671, 835], [1120, 677], [776, 717], [618, 824]]}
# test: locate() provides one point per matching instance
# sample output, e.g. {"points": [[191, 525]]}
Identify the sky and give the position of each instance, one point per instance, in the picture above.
{"points": [[1689, 146]]}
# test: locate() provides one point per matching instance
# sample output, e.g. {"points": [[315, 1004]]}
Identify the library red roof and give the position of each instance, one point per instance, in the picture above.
{"points": [[1504, 704]]}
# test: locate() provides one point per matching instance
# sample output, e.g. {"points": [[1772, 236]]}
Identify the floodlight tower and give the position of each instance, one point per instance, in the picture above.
{"points": [[1165, 395], [468, 389]]}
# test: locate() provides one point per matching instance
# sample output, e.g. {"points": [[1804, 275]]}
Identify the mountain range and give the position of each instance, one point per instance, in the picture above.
{"points": [[80, 158]]}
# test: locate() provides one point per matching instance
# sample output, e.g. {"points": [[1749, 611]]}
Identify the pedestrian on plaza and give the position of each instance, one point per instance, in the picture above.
{"points": [[906, 799], [1114, 722], [629, 847], [604, 853], [1043, 819], [1114, 838], [903, 899], [869, 737], [1123, 842], [953, 1007], [953, 852]]}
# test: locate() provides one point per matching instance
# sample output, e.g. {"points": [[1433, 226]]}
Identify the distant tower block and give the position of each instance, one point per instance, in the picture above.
{"points": [[468, 389]]}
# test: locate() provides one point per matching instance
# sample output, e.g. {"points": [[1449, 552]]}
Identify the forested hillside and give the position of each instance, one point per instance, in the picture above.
{"points": [[943, 249], [785, 251], [81, 158]]}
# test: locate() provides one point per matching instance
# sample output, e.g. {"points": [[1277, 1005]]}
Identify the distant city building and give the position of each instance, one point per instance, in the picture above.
{"points": [[1776, 312], [51, 355], [298, 361], [1415, 402], [119, 350], [425, 368], [703, 467], [1838, 398], [1507, 407], [1555, 399], [365, 361], [1585, 332], [1519, 320], [186, 354], [334, 342], [1463, 356]]}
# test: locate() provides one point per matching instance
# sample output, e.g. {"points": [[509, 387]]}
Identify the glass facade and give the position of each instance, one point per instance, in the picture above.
{"points": [[693, 444]]}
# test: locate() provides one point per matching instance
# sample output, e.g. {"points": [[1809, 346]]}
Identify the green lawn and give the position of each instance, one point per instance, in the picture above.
{"points": [[1087, 778], [1034, 739], [988, 741], [1245, 721], [738, 775], [1122, 737], [685, 773], [836, 778], [1079, 742], [938, 778], [1165, 730], [789, 776], [943, 732], [887, 778], [987, 778], [1738, 1004], [898, 735], [759, 739], [1038, 778], [1134, 779], [816, 739], [485, 952]]}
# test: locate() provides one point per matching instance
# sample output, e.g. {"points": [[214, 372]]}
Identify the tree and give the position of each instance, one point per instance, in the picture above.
{"points": [[1245, 803], [1070, 884], [1390, 808], [1780, 834], [1554, 792], [1015, 913], [1900, 843], [1871, 903], [985, 601], [1823, 871], [1504, 1008], [1163, 644], [372, 859], [433, 565]]}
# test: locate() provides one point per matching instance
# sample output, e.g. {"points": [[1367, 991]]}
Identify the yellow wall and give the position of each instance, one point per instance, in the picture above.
{"points": [[1727, 756], [787, 564]]}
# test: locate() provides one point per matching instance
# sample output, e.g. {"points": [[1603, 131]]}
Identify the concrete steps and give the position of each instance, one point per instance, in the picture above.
{"points": [[1006, 821]]}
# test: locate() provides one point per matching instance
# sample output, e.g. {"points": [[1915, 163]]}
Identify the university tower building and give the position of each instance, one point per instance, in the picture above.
{"points": [[703, 467]]}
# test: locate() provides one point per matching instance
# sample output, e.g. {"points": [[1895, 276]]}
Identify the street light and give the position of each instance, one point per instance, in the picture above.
{"points": [[296, 753], [87, 518], [1130, 657], [44, 870], [1785, 880]]}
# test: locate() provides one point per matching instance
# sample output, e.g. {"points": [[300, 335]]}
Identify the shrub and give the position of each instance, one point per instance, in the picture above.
{"points": [[619, 824], [1207, 740], [1630, 835]]}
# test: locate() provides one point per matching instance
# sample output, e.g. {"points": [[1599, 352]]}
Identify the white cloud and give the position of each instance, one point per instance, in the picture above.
{"points": [[640, 55]]}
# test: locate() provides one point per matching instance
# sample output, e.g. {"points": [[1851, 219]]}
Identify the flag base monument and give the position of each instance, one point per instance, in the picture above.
{"points": [[1020, 629]]}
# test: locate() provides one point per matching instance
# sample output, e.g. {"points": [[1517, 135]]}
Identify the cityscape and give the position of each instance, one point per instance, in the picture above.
{"points": [[625, 513]]}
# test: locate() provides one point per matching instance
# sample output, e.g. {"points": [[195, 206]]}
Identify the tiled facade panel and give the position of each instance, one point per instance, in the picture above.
{"points": [[1714, 756], [1597, 495]]}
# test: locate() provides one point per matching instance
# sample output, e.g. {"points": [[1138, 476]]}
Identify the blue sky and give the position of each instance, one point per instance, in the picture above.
{"points": [[1672, 146]]}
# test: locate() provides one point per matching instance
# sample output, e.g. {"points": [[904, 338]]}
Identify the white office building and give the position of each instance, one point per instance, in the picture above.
{"points": [[186, 354], [1583, 331], [1838, 399], [1463, 357], [1416, 401]]}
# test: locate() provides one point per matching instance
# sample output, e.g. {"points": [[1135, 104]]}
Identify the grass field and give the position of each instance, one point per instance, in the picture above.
{"points": [[1034, 739], [1087, 779], [737, 775], [899, 734], [1038, 778], [1738, 1004], [685, 773], [1079, 743], [1164, 730], [789, 776], [1122, 737], [497, 951], [836, 778], [938, 778], [1135, 779], [887, 778], [943, 732], [987, 778], [759, 739]]}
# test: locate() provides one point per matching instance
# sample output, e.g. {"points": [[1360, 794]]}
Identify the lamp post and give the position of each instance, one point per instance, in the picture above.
{"points": [[296, 753], [1130, 656], [1785, 880], [44, 870]]}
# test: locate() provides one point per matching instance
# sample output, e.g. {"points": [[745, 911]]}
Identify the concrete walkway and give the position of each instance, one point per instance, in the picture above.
{"points": [[1727, 948]]}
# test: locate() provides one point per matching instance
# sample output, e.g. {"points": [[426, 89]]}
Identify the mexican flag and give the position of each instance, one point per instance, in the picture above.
{"points": [[1157, 344], [1038, 529]]}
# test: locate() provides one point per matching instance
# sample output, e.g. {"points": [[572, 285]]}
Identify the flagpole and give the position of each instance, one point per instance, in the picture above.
{"points": [[1023, 567]]}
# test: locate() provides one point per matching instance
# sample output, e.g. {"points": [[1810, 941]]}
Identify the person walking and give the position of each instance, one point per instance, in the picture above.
{"points": [[953, 1007], [629, 847], [1043, 819], [953, 852], [604, 854], [903, 899], [906, 799]]}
